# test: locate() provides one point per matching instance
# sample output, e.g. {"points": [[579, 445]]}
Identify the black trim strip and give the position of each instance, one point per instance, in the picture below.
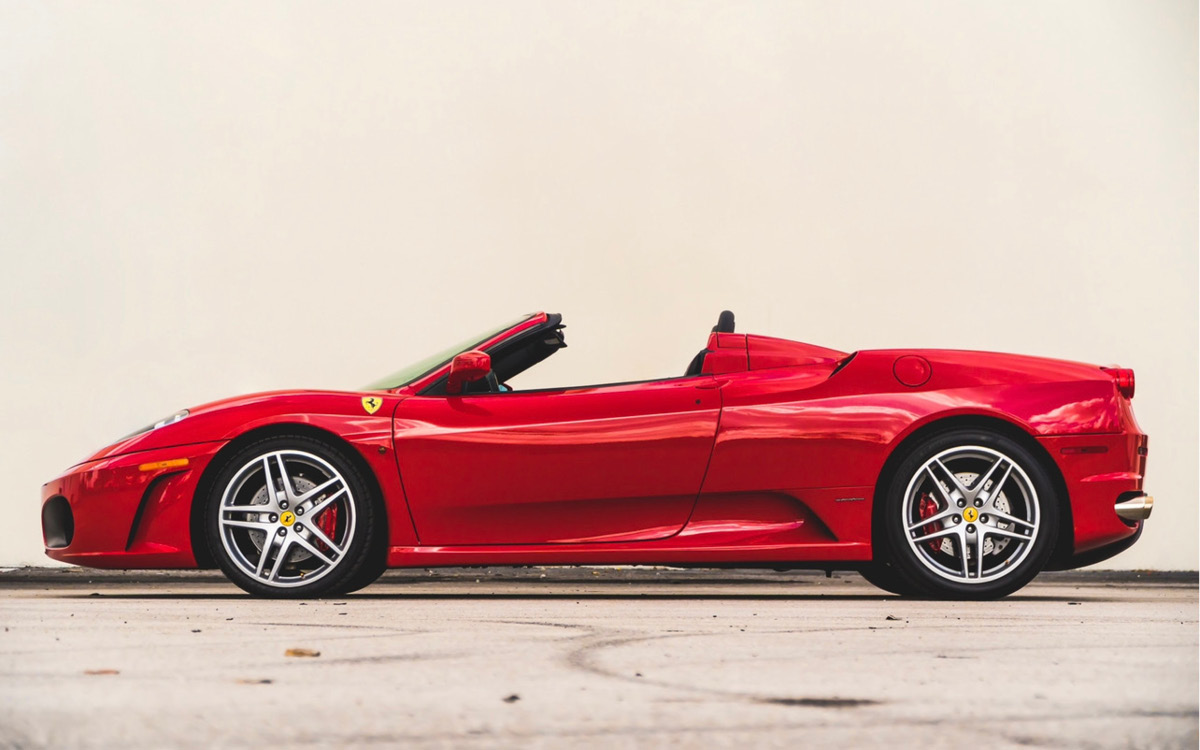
{"points": [[1100, 554], [700, 378]]}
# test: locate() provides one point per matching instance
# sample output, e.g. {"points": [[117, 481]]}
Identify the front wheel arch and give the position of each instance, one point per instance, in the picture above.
{"points": [[1064, 544], [196, 513]]}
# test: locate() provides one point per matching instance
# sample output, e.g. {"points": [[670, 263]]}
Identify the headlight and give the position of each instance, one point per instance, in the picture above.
{"points": [[160, 423]]}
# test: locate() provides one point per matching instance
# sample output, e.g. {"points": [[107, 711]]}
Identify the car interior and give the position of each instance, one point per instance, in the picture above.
{"points": [[521, 352], [724, 325]]}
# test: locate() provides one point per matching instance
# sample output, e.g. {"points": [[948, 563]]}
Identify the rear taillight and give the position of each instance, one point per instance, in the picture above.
{"points": [[1124, 378]]}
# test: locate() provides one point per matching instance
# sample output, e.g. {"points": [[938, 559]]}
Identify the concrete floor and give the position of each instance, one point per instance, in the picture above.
{"points": [[595, 657]]}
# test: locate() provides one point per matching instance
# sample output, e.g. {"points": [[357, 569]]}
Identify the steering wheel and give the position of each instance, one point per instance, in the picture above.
{"points": [[493, 383]]}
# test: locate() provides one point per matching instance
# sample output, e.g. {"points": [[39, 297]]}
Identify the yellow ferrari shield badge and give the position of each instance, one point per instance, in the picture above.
{"points": [[371, 404]]}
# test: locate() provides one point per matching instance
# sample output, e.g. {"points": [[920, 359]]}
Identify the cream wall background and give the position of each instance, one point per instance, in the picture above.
{"points": [[198, 200]]}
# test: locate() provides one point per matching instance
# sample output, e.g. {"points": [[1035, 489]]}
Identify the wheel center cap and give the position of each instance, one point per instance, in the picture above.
{"points": [[287, 518], [970, 515]]}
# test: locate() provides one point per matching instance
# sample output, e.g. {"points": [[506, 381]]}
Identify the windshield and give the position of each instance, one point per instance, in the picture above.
{"points": [[418, 369]]}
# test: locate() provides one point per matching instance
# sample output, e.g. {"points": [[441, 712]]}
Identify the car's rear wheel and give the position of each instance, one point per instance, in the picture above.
{"points": [[291, 516], [969, 514]]}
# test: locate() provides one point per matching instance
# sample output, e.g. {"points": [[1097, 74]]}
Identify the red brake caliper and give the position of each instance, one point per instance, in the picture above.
{"points": [[927, 508], [327, 523]]}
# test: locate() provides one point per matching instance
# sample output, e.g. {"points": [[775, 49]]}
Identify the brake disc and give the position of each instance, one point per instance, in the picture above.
{"points": [[991, 544], [301, 486]]}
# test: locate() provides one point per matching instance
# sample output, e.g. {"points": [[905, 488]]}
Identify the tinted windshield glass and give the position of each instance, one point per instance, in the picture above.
{"points": [[433, 362]]}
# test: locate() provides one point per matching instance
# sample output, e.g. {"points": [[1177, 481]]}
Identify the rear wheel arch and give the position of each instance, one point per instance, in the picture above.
{"points": [[230, 449], [1065, 542]]}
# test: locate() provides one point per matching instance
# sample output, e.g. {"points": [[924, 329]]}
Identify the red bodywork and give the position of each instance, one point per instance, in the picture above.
{"points": [[771, 454]]}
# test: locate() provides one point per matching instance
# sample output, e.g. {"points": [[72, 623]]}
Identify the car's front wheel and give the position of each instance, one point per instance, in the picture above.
{"points": [[883, 575], [969, 514], [291, 517]]}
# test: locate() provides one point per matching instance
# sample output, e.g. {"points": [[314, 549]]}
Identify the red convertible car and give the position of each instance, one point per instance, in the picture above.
{"points": [[934, 473]]}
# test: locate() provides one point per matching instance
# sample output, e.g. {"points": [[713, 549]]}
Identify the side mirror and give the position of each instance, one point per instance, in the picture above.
{"points": [[467, 368]]}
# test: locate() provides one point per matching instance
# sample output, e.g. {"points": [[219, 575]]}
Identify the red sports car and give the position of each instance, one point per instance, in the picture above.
{"points": [[934, 473]]}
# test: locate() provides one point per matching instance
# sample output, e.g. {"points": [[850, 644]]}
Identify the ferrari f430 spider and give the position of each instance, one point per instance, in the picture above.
{"points": [[934, 473]]}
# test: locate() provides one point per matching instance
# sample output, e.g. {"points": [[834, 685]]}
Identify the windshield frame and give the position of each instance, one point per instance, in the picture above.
{"points": [[421, 369]]}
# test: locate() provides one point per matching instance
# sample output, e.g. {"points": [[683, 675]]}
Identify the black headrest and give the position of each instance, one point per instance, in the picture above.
{"points": [[724, 323]]}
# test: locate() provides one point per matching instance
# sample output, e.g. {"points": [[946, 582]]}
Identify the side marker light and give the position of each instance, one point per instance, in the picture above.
{"points": [[174, 463]]}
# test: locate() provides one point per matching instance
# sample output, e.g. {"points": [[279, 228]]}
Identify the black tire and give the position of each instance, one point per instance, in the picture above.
{"points": [[883, 575], [309, 461], [936, 567], [372, 569]]}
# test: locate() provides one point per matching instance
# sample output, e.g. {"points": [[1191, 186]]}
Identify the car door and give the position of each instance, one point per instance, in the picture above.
{"points": [[601, 463]]}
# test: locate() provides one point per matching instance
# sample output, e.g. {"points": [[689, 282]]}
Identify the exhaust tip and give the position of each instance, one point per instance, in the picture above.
{"points": [[1136, 508]]}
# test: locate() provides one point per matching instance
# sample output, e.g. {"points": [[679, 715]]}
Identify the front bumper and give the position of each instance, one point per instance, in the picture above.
{"points": [[128, 511]]}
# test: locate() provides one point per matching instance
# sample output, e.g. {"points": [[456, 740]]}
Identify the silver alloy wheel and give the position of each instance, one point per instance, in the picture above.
{"points": [[287, 518], [981, 502]]}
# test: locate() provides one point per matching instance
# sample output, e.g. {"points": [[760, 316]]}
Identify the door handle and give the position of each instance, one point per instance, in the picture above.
{"points": [[712, 385]]}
